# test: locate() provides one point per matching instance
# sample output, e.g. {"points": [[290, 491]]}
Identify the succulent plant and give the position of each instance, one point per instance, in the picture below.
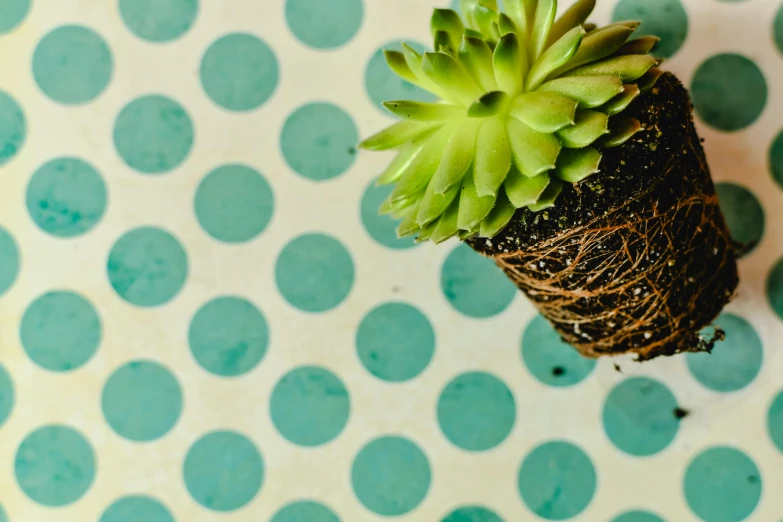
{"points": [[526, 103]]}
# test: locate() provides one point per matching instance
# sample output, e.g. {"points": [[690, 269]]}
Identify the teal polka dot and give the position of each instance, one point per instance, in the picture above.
{"points": [[314, 272], [638, 516], [476, 411], [743, 212], [474, 285], [557, 480], [776, 159], [66, 197], [774, 421], [3, 516], [239, 72], [638, 416], [223, 471], [234, 203], [60, 331], [395, 342], [158, 20], [733, 363], [666, 19], [472, 514], [775, 288], [722, 485], [228, 336], [305, 511], [13, 128], [137, 509], [72, 64], [55, 465], [779, 29], [9, 260], [310, 406], [324, 24], [383, 85], [549, 358], [147, 266], [153, 134], [729, 92], [319, 141], [391, 476], [382, 228], [142, 401], [12, 12], [6, 395]]}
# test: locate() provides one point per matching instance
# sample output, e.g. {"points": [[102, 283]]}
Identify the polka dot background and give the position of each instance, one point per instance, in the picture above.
{"points": [[203, 317]]}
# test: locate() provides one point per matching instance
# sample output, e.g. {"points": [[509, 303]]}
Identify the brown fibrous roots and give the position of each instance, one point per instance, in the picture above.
{"points": [[645, 278]]}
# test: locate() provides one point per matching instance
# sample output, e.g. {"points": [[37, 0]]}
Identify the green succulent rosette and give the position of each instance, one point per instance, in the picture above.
{"points": [[526, 104]]}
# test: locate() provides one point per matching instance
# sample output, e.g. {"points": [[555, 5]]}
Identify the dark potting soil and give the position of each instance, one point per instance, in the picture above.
{"points": [[636, 258]]}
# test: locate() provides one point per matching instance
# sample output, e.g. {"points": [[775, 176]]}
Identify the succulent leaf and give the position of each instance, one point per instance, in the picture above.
{"points": [[476, 56], [472, 207], [544, 111], [589, 125], [560, 53], [525, 104], [523, 191], [575, 16], [425, 111], [493, 157], [574, 165], [498, 217]]}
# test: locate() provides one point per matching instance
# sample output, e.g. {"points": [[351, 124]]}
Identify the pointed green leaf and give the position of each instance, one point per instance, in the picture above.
{"points": [[589, 28], [506, 24], [522, 13], [547, 199], [510, 64], [449, 22], [488, 105], [544, 111], [425, 111], [447, 73], [413, 59], [447, 224], [574, 165], [596, 46], [397, 209], [426, 232], [621, 102], [588, 127], [642, 45], [397, 134], [401, 161], [648, 81], [620, 131], [627, 68], [533, 152], [418, 174], [472, 207], [442, 43], [434, 204], [476, 56], [630, 24], [523, 191], [556, 56], [466, 8], [498, 217], [408, 226], [464, 235], [485, 17], [589, 91], [545, 17], [575, 16], [399, 66], [457, 158], [493, 157]]}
